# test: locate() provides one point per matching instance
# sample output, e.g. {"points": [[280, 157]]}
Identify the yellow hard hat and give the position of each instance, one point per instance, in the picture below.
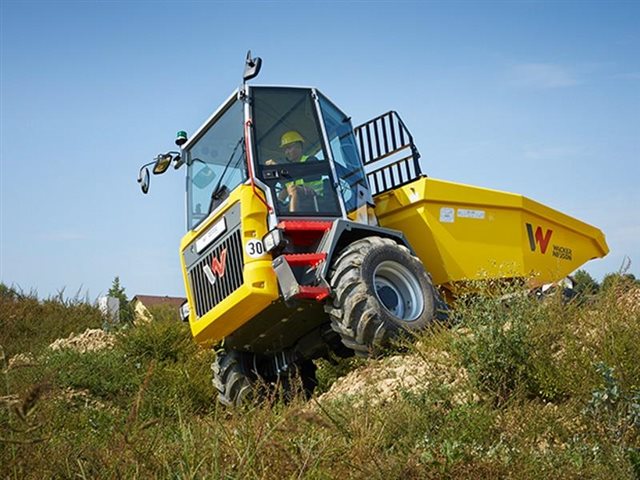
{"points": [[290, 137]]}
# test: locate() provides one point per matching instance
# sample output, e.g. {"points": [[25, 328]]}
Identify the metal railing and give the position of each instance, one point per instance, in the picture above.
{"points": [[388, 153]]}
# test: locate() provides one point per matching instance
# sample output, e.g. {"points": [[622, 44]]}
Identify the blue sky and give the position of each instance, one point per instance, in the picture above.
{"points": [[539, 98]]}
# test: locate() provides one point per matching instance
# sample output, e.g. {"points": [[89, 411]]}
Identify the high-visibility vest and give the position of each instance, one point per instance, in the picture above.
{"points": [[316, 185]]}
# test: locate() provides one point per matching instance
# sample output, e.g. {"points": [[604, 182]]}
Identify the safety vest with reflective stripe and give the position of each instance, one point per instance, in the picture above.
{"points": [[316, 185]]}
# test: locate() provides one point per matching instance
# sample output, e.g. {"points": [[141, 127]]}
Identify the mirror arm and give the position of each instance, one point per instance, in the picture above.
{"points": [[147, 164], [173, 157], [142, 168], [177, 159]]}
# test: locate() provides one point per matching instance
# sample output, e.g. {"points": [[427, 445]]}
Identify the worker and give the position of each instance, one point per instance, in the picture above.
{"points": [[299, 192]]}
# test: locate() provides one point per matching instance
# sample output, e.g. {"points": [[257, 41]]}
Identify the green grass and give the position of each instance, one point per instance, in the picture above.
{"points": [[543, 390], [29, 325]]}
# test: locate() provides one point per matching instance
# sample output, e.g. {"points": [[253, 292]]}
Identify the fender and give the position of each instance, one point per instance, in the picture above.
{"points": [[344, 232]]}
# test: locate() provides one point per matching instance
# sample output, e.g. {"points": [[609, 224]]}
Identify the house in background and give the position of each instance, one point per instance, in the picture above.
{"points": [[142, 303]]}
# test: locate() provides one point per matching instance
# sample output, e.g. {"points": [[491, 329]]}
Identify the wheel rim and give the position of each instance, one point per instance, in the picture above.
{"points": [[398, 290]]}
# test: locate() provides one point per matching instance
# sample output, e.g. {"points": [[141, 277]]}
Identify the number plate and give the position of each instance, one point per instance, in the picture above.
{"points": [[254, 248], [210, 235]]}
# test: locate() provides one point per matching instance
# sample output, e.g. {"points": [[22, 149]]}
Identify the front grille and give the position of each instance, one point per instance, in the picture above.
{"points": [[206, 294]]}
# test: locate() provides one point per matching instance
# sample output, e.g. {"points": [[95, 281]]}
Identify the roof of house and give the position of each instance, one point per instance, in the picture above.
{"points": [[153, 300]]}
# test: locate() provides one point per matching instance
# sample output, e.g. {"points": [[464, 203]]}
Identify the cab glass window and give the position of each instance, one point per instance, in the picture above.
{"points": [[345, 154], [216, 164]]}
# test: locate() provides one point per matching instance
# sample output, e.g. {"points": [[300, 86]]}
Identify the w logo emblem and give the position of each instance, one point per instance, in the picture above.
{"points": [[538, 238], [217, 266]]}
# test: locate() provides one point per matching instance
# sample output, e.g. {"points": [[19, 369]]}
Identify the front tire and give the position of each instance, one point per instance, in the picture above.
{"points": [[241, 377], [380, 290], [233, 378]]}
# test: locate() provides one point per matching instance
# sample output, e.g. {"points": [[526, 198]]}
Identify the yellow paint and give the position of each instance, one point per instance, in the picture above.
{"points": [[460, 232], [482, 233], [260, 287]]}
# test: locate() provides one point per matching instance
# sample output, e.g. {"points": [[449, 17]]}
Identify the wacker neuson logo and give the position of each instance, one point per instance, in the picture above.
{"points": [[217, 267], [540, 239]]}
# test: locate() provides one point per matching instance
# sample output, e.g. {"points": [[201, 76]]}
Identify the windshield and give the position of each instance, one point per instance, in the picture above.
{"points": [[290, 153], [216, 164], [345, 154]]}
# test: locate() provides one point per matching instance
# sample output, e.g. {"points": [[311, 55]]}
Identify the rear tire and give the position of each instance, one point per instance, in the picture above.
{"points": [[380, 290]]}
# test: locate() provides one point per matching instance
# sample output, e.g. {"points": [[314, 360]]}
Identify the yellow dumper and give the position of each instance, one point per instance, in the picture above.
{"points": [[462, 232], [308, 238]]}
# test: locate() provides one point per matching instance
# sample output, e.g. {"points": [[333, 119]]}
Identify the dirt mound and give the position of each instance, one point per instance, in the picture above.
{"points": [[90, 341], [383, 380], [21, 360]]}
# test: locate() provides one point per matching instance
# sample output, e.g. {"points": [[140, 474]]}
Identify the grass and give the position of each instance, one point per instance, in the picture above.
{"points": [[541, 390], [24, 317]]}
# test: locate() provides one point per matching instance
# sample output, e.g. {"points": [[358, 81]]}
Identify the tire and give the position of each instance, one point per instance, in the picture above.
{"points": [[380, 290], [237, 381], [233, 377]]}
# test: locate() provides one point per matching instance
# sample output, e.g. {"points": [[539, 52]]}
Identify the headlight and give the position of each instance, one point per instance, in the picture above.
{"points": [[273, 240], [185, 311]]}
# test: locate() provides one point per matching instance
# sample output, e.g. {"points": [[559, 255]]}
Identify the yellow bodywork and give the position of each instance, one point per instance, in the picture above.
{"points": [[260, 286], [462, 232]]}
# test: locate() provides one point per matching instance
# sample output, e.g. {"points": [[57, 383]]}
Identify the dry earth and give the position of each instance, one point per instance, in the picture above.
{"points": [[90, 341], [381, 381]]}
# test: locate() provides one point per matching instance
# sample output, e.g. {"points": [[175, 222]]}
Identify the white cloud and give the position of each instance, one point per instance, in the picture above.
{"points": [[542, 75]]}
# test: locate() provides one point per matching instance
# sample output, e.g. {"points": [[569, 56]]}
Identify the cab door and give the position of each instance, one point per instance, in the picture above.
{"points": [[303, 184]]}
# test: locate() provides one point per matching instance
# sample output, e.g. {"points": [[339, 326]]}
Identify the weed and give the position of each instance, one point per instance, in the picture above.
{"points": [[23, 318], [518, 388], [498, 346]]}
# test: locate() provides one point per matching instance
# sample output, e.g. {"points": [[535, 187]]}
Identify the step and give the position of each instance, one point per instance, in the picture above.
{"points": [[304, 233], [305, 225], [305, 259], [312, 293]]}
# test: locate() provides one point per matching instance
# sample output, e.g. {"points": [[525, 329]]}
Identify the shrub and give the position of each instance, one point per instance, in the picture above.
{"points": [[160, 339], [106, 374], [181, 378], [619, 281], [498, 347], [584, 284]]}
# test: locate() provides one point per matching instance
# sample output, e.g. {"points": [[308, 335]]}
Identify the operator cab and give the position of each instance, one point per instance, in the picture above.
{"points": [[267, 121]]}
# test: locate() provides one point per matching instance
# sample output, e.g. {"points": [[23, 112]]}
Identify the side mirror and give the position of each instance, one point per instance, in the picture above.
{"points": [[163, 161], [160, 165], [252, 67], [143, 179]]}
